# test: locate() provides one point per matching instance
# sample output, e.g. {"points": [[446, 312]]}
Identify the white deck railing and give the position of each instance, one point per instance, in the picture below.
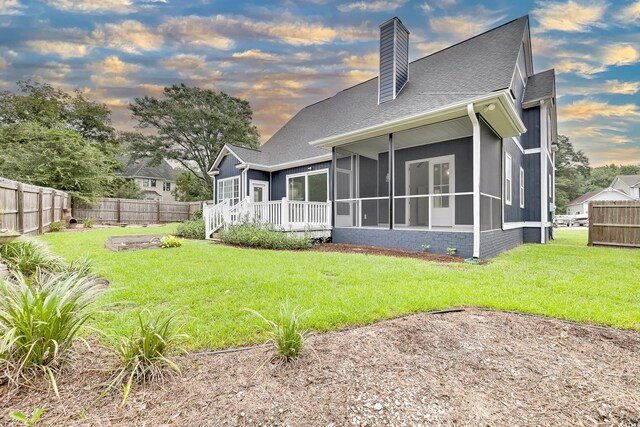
{"points": [[282, 214]]}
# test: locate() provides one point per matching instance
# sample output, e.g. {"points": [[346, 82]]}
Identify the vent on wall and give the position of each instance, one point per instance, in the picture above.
{"points": [[394, 59]]}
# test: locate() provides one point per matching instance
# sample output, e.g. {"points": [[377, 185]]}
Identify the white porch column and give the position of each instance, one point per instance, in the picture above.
{"points": [[544, 197], [476, 180], [284, 213]]}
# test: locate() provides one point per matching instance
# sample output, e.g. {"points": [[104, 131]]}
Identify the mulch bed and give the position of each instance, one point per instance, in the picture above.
{"points": [[467, 368], [373, 250]]}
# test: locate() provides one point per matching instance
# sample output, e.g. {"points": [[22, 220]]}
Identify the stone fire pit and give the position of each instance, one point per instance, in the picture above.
{"points": [[123, 243]]}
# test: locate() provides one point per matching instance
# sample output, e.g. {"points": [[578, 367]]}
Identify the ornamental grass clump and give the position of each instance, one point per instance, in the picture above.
{"points": [[26, 255], [286, 332], [39, 319], [146, 352]]}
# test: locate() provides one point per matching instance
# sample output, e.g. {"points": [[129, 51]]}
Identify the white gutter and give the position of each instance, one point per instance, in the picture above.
{"points": [[416, 120], [476, 179]]}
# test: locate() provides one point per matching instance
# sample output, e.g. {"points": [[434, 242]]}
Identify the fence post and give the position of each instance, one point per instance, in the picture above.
{"points": [[158, 209], [40, 210], [284, 215], [53, 206], [118, 214], [590, 219], [20, 192]]}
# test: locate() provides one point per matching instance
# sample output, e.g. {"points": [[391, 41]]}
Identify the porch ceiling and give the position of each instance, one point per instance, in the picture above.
{"points": [[443, 131]]}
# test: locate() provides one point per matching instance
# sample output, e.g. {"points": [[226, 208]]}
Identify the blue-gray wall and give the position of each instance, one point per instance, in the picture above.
{"points": [[514, 213], [227, 168], [531, 119], [258, 176], [411, 240], [532, 187], [495, 242]]}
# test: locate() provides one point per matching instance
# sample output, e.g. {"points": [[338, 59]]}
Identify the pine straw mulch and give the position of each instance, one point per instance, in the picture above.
{"points": [[374, 250], [467, 368]]}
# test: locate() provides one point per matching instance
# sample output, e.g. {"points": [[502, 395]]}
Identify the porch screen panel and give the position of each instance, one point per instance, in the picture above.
{"points": [[345, 206]]}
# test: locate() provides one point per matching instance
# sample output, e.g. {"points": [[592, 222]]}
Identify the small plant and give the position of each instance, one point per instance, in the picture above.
{"points": [[39, 320], [286, 332], [192, 229], [264, 237], [452, 251], [80, 266], [170, 242], [28, 421], [88, 223], [146, 351], [56, 226], [26, 255], [426, 248]]}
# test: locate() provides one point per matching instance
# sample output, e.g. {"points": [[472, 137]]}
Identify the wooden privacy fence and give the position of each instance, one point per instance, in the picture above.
{"points": [[134, 211], [615, 223], [29, 209]]}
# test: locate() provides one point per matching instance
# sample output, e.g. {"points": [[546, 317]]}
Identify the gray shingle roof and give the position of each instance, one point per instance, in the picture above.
{"points": [[586, 196], [540, 86], [480, 65], [249, 155], [630, 180], [133, 169]]}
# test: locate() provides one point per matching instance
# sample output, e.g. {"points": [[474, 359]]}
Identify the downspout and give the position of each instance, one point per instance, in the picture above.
{"points": [[245, 182], [476, 179]]}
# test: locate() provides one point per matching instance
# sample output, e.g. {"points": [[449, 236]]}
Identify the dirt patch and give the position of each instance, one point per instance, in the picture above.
{"points": [[469, 368], [123, 243], [373, 250]]}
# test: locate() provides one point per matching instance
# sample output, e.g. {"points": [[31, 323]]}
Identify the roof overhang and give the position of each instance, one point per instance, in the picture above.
{"points": [[503, 118], [223, 152], [287, 165]]}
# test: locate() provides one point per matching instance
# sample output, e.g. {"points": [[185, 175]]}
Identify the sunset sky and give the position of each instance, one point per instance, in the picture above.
{"points": [[288, 54]]}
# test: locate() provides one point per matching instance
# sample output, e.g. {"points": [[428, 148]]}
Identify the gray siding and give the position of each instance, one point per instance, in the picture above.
{"points": [[279, 178], [386, 61], [495, 242], [402, 58], [531, 119], [514, 213], [490, 178], [406, 239], [532, 187]]}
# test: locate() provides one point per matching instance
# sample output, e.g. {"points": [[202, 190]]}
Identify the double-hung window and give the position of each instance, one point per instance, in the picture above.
{"points": [[308, 187], [521, 188], [508, 179], [229, 189]]}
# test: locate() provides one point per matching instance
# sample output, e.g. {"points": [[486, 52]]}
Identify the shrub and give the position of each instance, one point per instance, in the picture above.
{"points": [[56, 226], [146, 351], [39, 320], [26, 255], [88, 223], [192, 229], [452, 251], [259, 236], [286, 332], [426, 248], [170, 242]]}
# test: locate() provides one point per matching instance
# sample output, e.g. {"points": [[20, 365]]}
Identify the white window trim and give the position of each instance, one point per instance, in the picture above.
{"points": [[259, 183], [521, 187], [306, 181], [508, 176], [221, 181]]}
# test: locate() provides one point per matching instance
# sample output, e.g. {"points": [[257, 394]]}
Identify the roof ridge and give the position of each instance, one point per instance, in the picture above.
{"points": [[246, 148]]}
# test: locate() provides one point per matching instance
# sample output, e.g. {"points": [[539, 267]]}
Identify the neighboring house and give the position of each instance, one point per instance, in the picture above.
{"points": [[628, 184], [452, 150], [156, 182], [580, 206]]}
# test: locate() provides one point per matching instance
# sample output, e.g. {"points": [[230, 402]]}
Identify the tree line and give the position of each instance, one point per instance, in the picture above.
{"points": [[63, 140]]}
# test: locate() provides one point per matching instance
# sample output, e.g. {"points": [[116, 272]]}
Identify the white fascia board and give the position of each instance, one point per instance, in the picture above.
{"points": [[223, 152], [460, 108], [287, 165]]}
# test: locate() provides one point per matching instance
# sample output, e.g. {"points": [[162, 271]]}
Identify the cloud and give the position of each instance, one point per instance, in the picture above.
{"points": [[372, 6], [152, 89], [427, 48], [369, 61], [571, 16], [63, 49], [621, 54], [184, 62], [114, 65], [10, 7], [111, 81], [195, 31], [3, 63], [613, 87], [630, 14], [466, 24], [587, 109], [94, 6], [128, 36], [254, 54], [352, 77]]}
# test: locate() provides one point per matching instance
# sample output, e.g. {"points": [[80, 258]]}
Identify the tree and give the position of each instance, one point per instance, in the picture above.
{"points": [[572, 172], [190, 189], [54, 109], [603, 176], [192, 125], [57, 158], [125, 189]]}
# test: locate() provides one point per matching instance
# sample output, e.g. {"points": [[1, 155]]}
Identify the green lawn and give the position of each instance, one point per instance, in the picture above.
{"points": [[212, 284]]}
